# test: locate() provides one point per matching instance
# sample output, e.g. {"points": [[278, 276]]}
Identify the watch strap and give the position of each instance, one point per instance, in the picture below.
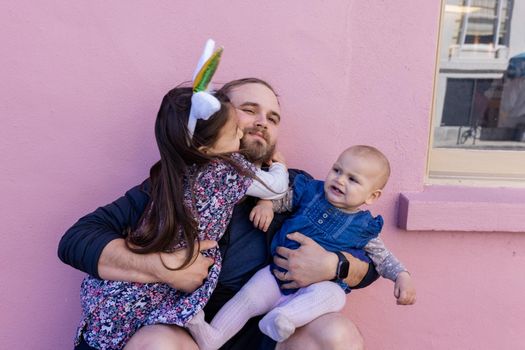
{"points": [[343, 266]]}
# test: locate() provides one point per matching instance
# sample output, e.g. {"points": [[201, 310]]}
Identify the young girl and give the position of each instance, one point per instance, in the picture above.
{"points": [[330, 213], [194, 188]]}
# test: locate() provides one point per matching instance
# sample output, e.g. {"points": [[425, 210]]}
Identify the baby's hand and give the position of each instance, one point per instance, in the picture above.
{"points": [[404, 289], [262, 214]]}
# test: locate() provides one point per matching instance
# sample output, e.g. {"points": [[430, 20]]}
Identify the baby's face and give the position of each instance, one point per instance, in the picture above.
{"points": [[352, 181]]}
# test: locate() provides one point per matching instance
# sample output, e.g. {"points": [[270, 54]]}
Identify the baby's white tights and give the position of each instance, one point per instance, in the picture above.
{"points": [[260, 295]]}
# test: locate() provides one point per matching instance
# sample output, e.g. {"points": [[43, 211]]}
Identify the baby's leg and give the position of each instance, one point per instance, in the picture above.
{"points": [[304, 306], [257, 296]]}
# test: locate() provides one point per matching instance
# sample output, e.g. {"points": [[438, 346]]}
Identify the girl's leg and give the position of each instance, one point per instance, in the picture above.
{"points": [[161, 337], [257, 296], [303, 307]]}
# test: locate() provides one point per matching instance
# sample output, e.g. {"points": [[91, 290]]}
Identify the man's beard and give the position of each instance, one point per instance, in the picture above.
{"points": [[255, 150]]}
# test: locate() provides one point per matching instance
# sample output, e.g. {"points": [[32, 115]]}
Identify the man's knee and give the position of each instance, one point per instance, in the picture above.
{"points": [[161, 337], [341, 334], [330, 331]]}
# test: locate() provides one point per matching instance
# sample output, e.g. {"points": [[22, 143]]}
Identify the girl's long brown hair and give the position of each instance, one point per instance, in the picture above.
{"points": [[166, 220]]}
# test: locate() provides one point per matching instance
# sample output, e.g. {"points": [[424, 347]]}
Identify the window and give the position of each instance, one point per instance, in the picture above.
{"points": [[478, 128]]}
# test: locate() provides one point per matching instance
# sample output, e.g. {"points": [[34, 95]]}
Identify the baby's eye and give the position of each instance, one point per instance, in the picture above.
{"points": [[353, 179], [335, 170]]}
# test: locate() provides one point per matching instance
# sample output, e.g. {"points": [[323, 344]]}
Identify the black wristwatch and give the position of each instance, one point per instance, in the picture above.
{"points": [[342, 266]]}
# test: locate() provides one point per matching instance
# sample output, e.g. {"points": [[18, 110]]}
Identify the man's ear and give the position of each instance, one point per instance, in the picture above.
{"points": [[373, 197]]}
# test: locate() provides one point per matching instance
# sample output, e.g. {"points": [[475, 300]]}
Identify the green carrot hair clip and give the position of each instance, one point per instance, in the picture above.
{"points": [[203, 103]]}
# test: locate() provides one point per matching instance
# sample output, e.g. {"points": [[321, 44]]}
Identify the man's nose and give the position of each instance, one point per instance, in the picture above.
{"points": [[261, 120]]}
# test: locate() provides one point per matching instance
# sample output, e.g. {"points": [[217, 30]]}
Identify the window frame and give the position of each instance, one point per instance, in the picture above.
{"points": [[456, 166]]}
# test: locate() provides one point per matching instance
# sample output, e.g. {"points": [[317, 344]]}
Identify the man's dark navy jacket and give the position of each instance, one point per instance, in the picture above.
{"points": [[245, 250]]}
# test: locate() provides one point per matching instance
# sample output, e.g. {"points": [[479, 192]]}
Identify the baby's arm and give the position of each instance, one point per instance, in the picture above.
{"points": [[388, 266], [262, 214]]}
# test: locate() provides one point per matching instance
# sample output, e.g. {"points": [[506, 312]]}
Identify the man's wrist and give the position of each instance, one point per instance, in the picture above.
{"points": [[343, 266], [118, 263], [358, 270]]}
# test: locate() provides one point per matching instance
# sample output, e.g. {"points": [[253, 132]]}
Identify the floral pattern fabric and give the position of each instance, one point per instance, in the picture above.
{"points": [[112, 311]]}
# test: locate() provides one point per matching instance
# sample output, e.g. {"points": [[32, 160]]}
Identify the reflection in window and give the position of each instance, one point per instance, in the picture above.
{"points": [[480, 94], [488, 24]]}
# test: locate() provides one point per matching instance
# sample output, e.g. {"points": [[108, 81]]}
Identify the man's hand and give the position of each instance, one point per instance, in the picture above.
{"points": [[310, 263], [118, 263], [192, 276], [262, 214], [404, 289]]}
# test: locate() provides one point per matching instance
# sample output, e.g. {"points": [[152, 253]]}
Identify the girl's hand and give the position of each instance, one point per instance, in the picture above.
{"points": [[262, 215], [404, 289]]}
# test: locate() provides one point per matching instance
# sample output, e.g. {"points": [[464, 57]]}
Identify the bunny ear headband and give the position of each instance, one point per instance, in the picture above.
{"points": [[203, 103]]}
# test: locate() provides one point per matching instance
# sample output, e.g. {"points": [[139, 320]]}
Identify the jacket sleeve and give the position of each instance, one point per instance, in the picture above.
{"points": [[82, 245]]}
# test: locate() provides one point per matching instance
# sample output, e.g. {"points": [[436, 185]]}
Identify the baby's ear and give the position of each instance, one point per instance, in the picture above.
{"points": [[373, 197]]}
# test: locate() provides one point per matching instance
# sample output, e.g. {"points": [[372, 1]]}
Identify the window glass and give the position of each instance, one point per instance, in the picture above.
{"points": [[480, 89]]}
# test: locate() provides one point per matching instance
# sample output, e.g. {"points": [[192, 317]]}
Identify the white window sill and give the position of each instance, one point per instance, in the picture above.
{"points": [[455, 208]]}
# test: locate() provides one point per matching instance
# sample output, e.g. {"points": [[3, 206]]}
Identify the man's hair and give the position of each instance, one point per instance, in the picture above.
{"points": [[376, 155], [228, 87]]}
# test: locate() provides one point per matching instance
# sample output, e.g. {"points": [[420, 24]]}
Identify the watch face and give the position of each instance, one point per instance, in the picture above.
{"points": [[343, 272], [343, 266]]}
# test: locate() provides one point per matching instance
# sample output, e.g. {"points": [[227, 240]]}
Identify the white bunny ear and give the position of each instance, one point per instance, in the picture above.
{"points": [[203, 106], [203, 103], [208, 51]]}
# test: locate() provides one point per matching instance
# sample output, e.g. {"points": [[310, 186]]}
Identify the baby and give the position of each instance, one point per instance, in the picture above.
{"points": [[330, 213]]}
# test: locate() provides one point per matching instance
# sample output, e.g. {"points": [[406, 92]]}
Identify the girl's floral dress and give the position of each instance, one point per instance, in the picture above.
{"points": [[112, 311]]}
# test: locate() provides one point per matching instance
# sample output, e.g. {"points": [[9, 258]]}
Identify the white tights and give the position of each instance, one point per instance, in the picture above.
{"points": [[260, 295]]}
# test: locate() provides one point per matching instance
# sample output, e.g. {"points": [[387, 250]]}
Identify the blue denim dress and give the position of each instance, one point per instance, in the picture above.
{"points": [[330, 227]]}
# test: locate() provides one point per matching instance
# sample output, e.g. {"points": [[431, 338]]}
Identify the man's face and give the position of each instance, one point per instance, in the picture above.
{"points": [[259, 117]]}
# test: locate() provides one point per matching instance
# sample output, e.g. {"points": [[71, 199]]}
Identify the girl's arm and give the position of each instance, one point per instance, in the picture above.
{"points": [[273, 184]]}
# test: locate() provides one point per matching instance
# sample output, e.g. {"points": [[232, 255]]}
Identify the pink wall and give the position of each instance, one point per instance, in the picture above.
{"points": [[81, 83]]}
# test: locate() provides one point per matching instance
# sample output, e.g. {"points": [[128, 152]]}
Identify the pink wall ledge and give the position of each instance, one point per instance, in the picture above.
{"points": [[452, 208]]}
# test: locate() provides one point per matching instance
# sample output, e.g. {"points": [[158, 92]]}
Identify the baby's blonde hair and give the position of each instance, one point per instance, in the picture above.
{"points": [[372, 153]]}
